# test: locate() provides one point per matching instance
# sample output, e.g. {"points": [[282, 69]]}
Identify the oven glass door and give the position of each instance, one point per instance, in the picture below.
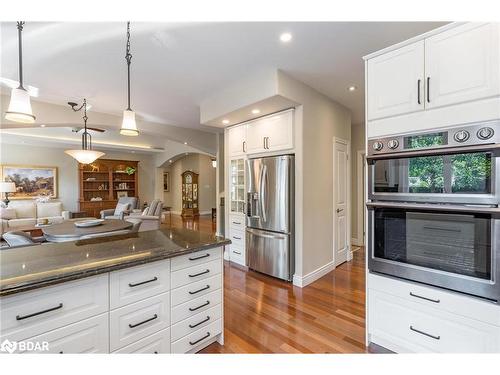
{"points": [[452, 175], [459, 243]]}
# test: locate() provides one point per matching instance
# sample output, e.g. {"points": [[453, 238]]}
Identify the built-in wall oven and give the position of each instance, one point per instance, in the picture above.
{"points": [[433, 208]]}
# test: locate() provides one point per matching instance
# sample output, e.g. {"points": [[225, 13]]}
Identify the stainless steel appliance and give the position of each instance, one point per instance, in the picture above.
{"points": [[270, 216], [433, 209]]}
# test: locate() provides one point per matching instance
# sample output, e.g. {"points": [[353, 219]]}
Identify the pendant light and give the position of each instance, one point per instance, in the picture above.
{"points": [[86, 155], [129, 127], [20, 106]]}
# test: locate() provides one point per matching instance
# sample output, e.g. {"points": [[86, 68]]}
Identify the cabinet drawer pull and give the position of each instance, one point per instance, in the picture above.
{"points": [[428, 89], [244, 146], [199, 274], [418, 92], [426, 298], [19, 317], [236, 222], [203, 338], [200, 290], [267, 142], [236, 252], [237, 238], [199, 307], [155, 352], [143, 282], [143, 322], [200, 257], [425, 333], [197, 324]]}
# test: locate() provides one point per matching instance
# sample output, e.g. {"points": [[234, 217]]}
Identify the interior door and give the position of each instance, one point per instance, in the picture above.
{"points": [[340, 175], [462, 64], [395, 81]]}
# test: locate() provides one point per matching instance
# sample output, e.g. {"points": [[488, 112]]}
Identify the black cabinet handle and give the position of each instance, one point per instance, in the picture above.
{"points": [[428, 89], [199, 274], [236, 222], [61, 352], [236, 252], [421, 297], [143, 322], [200, 290], [197, 341], [201, 257], [237, 238], [197, 324], [418, 92], [155, 352], [425, 333], [19, 317], [199, 307], [143, 282]]}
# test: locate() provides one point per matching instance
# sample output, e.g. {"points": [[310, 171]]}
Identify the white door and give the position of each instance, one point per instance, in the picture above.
{"points": [[396, 82], [462, 64], [237, 140], [340, 179]]}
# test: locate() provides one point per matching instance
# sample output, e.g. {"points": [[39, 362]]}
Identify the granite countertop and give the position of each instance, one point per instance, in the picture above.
{"points": [[27, 268]]}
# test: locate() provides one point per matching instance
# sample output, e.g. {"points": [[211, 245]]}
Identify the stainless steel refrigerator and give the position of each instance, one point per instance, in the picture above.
{"points": [[270, 216]]}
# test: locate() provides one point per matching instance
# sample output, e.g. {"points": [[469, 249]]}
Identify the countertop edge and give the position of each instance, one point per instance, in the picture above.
{"points": [[98, 271]]}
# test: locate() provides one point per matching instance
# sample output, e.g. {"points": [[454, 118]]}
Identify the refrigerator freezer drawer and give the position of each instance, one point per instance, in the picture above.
{"points": [[269, 253]]}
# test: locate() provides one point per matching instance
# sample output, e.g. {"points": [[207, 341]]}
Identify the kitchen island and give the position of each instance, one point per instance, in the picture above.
{"points": [[149, 292]]}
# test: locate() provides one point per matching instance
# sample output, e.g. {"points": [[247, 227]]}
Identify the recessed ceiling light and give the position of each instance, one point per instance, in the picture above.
{"points": [[286, 37], [42, 125], [225, 122], [352, 88], [185, 143], [256, 111], [170, 161]]}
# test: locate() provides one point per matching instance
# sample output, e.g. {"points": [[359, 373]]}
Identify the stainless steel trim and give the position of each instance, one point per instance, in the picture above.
{"points": [[434, 151], [263, 192], [435, 207], [425, 333]]}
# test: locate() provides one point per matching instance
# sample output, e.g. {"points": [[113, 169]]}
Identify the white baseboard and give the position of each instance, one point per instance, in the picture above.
{"points": [[302, 281], [357, 242]]}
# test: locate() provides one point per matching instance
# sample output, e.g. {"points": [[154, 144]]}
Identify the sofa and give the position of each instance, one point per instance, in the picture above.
{"points": [[24, 213], [150, 217]]}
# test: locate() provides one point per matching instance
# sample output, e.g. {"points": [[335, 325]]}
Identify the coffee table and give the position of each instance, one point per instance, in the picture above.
{"points": [[67, 231]]}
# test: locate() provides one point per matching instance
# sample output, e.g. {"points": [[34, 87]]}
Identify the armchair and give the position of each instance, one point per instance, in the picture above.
{"points": [[150, 217], [124, 206]]}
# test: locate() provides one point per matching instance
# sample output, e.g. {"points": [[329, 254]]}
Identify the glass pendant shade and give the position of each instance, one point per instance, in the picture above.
{"points": [[20, 107], [129, 127], [85, 156]]}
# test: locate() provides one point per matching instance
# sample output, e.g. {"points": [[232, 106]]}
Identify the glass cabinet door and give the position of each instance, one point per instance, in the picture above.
{"points": [[237, 185]]}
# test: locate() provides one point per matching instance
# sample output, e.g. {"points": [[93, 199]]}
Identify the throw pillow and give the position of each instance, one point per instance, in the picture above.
{"points": [[120, 208], [7, 213]]}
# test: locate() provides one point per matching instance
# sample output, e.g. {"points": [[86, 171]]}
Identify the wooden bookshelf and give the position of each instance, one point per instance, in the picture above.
{"points": [[106, 179]]}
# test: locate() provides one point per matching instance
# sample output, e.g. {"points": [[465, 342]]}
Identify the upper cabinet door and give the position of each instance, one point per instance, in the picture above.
{"points": [[237, 140], [273, 133], [462, 64], [396, 82]]}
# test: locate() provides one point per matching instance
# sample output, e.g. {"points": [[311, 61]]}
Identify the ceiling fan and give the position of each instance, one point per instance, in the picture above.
{"points": [[73, 105]]}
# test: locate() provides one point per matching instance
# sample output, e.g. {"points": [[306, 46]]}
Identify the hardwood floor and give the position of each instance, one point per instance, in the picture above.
{"points": [[266, 315]]}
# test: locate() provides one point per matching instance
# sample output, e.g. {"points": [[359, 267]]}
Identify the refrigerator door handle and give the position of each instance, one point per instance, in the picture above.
{"points": [[263, 194]]}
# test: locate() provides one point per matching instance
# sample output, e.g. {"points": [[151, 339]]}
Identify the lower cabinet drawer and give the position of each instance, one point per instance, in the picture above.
{"points": [[195, 273], [157, 343], [237, 255], [237, 238], [138, 320], [32, 313], [87, 336], [197, 340], [196, 290], [196, 322], [406, 326], [196, 258], [195, 306]]}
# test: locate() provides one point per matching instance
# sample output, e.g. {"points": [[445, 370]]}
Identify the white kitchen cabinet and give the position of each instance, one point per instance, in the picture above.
{"points": [[236, 140], [394, 82], [462, 64], [270, 133]]}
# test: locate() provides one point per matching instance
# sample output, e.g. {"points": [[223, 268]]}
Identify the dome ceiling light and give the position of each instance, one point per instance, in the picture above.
{"points": [[20, 105], [85, 155], [129, 126]]}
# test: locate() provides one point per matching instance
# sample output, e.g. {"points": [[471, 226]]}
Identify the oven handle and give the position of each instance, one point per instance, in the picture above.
{"points": [[434, 207]]}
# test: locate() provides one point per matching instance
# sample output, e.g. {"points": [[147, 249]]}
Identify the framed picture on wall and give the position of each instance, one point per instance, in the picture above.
{"points": [[31, 181], [166, 181]]}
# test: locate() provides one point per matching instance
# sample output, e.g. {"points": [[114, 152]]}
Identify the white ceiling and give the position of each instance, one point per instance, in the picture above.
{"points": [[175, 66]]}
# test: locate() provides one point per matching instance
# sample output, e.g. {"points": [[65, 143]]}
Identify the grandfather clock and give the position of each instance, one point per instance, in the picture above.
{"points": [[190, 207]]}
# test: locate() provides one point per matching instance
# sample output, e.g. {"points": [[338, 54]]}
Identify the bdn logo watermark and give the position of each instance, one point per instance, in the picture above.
{"points": [[8, 346]]}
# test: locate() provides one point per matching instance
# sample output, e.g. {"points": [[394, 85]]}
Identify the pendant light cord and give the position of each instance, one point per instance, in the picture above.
{"points": [[128, 57], [20, 25]]}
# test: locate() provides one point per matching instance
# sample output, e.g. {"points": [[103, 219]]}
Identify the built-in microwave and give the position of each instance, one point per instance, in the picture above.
{"points": [[433, 208]]}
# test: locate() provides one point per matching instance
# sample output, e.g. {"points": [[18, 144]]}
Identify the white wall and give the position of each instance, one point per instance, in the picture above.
{"points": [[198, 163], [68, 169]]}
